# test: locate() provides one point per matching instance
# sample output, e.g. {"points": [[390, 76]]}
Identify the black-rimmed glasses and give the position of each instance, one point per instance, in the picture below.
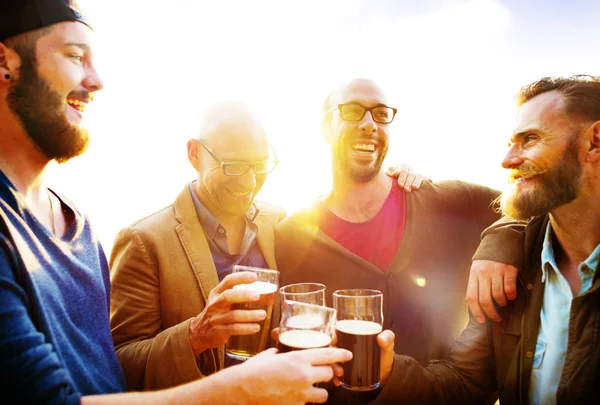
{"points": [[240, 168], [381, 114]]}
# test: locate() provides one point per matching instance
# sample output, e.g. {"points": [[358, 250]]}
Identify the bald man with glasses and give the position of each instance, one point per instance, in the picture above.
{"points": [[368, 233], [171, 298]]}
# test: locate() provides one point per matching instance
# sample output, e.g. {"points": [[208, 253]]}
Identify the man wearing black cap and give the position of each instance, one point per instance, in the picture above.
{"points": [[55, 340]]}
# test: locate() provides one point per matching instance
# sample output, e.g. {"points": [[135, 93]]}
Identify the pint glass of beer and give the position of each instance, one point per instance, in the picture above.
{"points": [[242, 347], [310, 293], [359, 321], [305, 326]]}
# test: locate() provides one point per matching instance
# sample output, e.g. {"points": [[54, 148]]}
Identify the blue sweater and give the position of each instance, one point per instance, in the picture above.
{"points": [[55, 341]]}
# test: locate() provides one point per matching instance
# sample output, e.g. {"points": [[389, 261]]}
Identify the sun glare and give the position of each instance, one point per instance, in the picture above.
{"points": [[451, 69]]}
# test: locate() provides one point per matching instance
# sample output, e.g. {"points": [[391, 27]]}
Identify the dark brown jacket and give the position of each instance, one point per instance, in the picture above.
{"points": [[498, 357], [444, 222]]}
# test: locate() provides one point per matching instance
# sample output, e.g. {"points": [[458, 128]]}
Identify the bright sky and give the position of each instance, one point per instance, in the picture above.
{"points": [[451, 67]]}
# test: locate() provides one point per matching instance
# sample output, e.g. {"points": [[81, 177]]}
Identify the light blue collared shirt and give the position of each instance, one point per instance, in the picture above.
{"points": [[216, 236], [553, 335]]}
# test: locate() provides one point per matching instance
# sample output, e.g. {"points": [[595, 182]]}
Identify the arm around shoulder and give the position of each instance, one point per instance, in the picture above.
{"points": [[503, 242]]}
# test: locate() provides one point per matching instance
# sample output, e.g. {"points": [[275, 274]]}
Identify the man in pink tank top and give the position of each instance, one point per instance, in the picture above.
{"points": [[368, 233]]}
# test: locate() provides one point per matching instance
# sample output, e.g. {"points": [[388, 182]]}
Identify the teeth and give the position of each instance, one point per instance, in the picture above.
{"points": [[364, 146], [78, 105]]}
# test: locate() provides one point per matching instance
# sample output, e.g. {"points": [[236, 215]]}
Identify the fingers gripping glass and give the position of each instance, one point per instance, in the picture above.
{"points": [[241, 347], [381, 114], [240, 168]]}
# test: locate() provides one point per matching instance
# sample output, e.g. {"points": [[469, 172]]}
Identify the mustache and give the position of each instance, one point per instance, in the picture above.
{"points": [[524, 172]]}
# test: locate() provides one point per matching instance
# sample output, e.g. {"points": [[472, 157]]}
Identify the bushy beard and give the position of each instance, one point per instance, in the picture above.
{"points": [[554, 187], [360, 173], [42, 112]]}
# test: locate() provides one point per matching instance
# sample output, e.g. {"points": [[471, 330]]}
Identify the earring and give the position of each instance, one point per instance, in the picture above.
{"points": [[7, 76]]}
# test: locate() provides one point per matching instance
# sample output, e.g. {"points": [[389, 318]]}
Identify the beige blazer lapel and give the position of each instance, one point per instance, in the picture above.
{"points": [[194, 242], [266, 239]]}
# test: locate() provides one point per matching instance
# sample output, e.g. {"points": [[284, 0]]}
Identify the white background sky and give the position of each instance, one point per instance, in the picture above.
{"points": [[451, 67]]}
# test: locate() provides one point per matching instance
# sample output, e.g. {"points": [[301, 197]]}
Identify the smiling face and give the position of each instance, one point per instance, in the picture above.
{"points": [[358, 147], [234, 136], [56, 81], [543, 159]]}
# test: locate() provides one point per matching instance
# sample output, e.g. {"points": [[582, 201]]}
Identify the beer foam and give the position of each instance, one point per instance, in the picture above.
{"points": [[304, 339], [304, 321], [358, 327], [262, 287]]}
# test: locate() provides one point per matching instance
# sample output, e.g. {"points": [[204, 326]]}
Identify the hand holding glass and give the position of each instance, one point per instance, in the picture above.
{"points": [[241, 347]]}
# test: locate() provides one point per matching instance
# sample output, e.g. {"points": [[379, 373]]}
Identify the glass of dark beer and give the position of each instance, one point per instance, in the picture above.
{"points": [[242, 347], [310, 293], [305, 326], [359, 321]]}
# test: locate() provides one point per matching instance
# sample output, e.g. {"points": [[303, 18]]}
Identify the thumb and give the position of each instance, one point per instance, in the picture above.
{"points": [[386, 361], [275, 334], [269, 352]]}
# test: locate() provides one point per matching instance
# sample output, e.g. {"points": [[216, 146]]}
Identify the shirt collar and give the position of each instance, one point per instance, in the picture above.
{"points": [[209, 222], [548, 252], [592, 261], [548, 258]]}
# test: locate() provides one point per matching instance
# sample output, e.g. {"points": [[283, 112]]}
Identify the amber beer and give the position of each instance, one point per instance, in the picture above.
{"points": [[301, 339], [360, 337], [242, 347]]}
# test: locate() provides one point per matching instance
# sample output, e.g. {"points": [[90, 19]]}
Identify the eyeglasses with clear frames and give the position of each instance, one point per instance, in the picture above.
{"points": [[241, 168], [381, 114]]}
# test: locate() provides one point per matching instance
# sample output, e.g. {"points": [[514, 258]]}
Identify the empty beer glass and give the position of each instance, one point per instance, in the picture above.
{"points": [[310, 293], [359, 321], [242, 347]]}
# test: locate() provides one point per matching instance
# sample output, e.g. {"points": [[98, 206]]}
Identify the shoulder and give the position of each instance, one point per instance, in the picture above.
{"points": [[294, 237], [454, 191], [156, 220], [147, 231], [143, 238], [457, 187], [306, 215], [273, 211]]}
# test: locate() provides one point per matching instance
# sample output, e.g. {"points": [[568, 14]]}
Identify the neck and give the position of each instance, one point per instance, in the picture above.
{"points": [[20, 160], [356, 201], [229, 221], [577, 228]]}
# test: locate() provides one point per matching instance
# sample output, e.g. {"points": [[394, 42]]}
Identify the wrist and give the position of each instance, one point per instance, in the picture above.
{"points": [[195, 341]]}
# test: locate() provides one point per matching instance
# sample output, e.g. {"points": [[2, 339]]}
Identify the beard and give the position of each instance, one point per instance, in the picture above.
{"points": [[554, 187], [359, 171], [42, 112]]}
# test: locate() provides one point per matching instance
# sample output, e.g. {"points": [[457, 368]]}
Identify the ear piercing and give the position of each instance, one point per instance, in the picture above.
{"points": [[7, 76]]}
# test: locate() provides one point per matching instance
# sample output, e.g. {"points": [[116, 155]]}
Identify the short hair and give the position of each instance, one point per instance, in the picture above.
{"points": [[581, 94], [24, 44]]}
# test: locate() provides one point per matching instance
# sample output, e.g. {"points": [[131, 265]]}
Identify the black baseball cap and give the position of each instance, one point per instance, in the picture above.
{"points": [[19, 16]]}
